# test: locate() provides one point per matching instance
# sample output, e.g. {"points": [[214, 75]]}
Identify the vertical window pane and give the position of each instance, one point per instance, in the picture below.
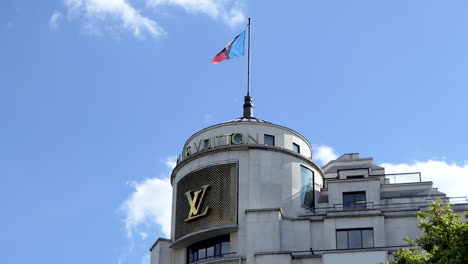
{"points": [[210, 252], [360, 200], [341, 239], [367, 238], [202, 253], [307, 187], [225, 248], [354, 237], [218, 249], [206, 144], [348, 201], [296, 148], [269, 140]]}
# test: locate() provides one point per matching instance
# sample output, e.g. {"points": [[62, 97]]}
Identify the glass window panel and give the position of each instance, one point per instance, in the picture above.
{"points": [[269, 140], [206, 143], [202, 253], [195, 256], [368, 238], [360, 200], [210, 252], [354, 239], [341, 239], [307, 190], [225, 248], [296, 148], [218, 249], [348, 201], [354, 200]]}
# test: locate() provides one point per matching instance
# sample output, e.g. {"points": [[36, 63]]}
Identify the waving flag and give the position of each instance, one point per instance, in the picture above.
{"points": [[235, 48]]}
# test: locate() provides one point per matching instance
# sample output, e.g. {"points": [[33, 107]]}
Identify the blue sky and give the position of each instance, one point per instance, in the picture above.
{"points": [[98, 96]]}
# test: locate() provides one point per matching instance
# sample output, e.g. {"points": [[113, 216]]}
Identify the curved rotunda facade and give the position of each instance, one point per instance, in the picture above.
{"points": [[247, 191]]}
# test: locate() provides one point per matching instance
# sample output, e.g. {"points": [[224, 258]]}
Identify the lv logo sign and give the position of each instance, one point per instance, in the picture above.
{"points": [[196, 202]]}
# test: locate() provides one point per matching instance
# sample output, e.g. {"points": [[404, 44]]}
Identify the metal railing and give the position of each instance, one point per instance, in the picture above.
{"points": [[216, 257], [396, 178], [389, 206]]}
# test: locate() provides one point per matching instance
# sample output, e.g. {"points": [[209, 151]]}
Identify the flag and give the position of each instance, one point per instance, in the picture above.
{"points": [[235, 48]]}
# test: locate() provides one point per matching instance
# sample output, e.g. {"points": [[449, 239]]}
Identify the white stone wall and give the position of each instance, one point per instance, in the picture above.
{"points": [[332, 224], [161, 253], [397, 228], [362, 257], [336, 188]]}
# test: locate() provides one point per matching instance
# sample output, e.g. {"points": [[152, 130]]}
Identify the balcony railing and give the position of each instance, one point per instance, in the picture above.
{"points": [[216, 258], [389, 206], [396, 178]]}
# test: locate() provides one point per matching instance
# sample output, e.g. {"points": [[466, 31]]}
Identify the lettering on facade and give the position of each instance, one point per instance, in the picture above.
{"points": [[196, 201], [216, 141]]}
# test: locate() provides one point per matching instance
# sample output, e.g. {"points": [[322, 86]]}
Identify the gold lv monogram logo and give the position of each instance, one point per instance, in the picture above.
{"points": [[196, 202]]}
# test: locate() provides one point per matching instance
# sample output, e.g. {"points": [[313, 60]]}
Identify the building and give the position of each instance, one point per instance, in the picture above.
{"points": [[247, 191]]}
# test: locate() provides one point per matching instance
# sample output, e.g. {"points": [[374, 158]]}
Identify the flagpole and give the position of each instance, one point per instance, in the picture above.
{"points": [[248, 105], [248, 60]]}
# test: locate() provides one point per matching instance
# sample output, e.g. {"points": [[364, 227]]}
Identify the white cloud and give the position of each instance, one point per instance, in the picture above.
{"points": [[95, 11], [171, 162], [449, 178], [106, 12], [149, 204], [54, 20], [323, 154], [217, 9]]}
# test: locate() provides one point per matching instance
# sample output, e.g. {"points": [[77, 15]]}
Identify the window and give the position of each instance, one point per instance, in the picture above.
{"points": [[355, 177], [354, 238], [206, 144], [296, 148], [354, 200], [269, 140], [208, 249], [307, 187]]}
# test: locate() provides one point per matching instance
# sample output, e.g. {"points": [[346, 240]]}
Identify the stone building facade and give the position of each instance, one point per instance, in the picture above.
{"points": [[247, 191]]}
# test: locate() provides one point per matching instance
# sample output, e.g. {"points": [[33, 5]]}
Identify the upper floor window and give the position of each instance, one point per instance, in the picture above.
{"points": [[296, 148], [307, 187], [269, 140], [354, 238], [208, 249], [354, 200]]}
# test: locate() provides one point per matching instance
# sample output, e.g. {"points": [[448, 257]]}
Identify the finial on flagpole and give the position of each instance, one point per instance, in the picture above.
{"points": [[248, 105]]}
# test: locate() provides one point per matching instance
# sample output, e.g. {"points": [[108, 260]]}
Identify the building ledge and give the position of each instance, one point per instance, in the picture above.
{"points": [[354, 213], [191, 238], [162, 240], [222, 260]]}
